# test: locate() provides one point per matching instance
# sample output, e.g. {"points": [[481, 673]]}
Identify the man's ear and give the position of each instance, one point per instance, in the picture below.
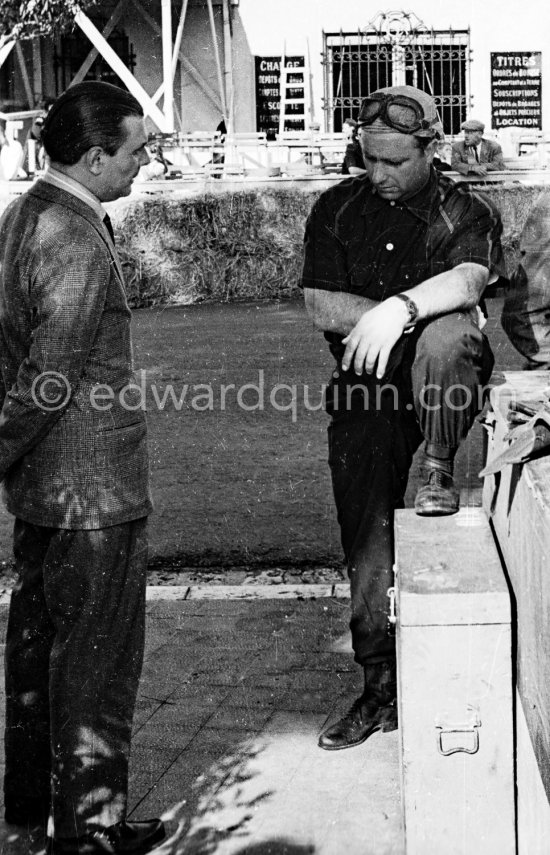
{"points": [[94, 159]]}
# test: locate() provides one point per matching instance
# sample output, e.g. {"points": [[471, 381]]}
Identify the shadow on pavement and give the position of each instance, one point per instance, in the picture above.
{"points": [[15, 840]]}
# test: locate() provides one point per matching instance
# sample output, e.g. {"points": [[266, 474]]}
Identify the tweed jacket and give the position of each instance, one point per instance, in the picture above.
{"points": [[490, 156], [73, 435]]}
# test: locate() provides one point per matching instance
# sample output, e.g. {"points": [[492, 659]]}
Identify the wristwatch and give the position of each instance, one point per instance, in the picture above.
{"points": [[412, 309]]}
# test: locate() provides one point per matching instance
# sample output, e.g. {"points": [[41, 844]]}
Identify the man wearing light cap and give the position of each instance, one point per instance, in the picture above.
{"points": [[396, 262], [474, 155]]}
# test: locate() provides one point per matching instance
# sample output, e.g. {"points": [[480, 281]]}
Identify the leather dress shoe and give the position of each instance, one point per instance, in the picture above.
{"points": [[123, 838], [438, 497], [363, 719]]}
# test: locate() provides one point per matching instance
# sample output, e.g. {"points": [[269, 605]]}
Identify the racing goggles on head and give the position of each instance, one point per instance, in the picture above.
{"points": [[399, 112]]}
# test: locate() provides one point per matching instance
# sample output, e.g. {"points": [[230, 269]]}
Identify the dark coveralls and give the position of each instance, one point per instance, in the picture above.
{"points": [[359, 243]]}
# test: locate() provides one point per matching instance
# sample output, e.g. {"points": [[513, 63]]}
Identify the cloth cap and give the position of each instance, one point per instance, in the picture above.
{"points": [[473, 125], [424, 101]]}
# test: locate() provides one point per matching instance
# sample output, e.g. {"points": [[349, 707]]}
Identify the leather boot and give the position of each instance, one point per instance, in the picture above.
{"points": [[437, 497], [376, 709]]}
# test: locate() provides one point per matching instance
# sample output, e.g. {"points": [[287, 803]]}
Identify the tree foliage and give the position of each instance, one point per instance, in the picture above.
{"points": [[25, 19]]}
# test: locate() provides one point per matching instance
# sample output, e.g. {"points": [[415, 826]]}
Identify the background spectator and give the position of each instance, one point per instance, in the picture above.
{"points": [[353, 163]]}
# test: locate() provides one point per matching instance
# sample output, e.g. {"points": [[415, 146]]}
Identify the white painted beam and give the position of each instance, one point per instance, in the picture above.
{"points": [[218, 62], [179, 37], [94, 53], [5, 50], [193, 72], [228, 65], [108, 54], [168, 80]]}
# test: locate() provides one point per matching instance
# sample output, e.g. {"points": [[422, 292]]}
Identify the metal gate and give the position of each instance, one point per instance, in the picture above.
{"points": [[396, 48]]}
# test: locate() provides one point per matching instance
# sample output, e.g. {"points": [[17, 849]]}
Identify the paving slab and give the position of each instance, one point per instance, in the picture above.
{"points": [[232, 699]]}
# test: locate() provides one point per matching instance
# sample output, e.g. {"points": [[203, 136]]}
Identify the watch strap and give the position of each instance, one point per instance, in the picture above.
{"points": [[412, 309]]}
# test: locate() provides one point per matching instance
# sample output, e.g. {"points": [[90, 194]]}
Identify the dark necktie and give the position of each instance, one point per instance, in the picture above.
{"points": [[473, 152], [109, 226]]}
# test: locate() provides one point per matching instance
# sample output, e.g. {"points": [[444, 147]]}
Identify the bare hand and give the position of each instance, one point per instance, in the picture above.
{"points": [[371, 340], [479, 169]]}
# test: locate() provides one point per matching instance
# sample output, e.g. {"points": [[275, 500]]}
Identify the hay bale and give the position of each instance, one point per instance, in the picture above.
{"points": [[244, 245]]}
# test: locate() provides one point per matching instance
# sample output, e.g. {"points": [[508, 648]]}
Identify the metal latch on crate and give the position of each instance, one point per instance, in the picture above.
{"points": [[392, 617], [452, 738]]}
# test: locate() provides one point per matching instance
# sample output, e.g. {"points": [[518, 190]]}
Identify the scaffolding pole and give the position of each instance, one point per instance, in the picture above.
{"points": [[167, 76]]}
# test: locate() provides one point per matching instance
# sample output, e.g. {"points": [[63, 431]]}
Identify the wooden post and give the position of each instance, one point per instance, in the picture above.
{"points": [[228, 65], [179, 36], [37, 68], [185, 63], [24, 74], [108, 54], [168, 80], [218, 63]]}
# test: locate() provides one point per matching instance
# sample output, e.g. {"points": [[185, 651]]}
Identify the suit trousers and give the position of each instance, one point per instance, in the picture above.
{"points": [[74, 652], [432, 391]]}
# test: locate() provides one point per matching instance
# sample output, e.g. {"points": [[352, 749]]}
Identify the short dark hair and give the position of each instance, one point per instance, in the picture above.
{"points": [[87, 114]]}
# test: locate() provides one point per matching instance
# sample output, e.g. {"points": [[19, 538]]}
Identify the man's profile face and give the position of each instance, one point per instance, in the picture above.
{"points": [[472, 137], [348, 131], [122, 167], [395, 164]]}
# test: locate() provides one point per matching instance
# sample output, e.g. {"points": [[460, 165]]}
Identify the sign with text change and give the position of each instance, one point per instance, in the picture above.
{"points": [[268, 94]]}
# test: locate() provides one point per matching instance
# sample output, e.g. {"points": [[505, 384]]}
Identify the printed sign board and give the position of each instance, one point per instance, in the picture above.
{"points": [[268, 94], [516, 90]]}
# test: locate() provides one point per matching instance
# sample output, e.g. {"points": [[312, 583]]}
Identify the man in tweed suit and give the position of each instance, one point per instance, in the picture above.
{"points": [[475, 155], [73, 459]]}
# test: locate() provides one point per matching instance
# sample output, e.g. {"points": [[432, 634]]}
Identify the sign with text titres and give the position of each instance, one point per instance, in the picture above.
{"points": [[268, 94], [516, 90]]}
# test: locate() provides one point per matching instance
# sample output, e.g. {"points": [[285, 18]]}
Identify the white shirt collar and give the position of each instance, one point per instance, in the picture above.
{"points": [[63, 182]]}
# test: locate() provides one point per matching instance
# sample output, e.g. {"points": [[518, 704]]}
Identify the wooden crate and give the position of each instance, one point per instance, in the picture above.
{"points": [[518, 502], [454, 686]]}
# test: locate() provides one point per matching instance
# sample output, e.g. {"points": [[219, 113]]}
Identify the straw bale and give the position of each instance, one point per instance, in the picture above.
{"points": [[216, 247], [243, 245]]}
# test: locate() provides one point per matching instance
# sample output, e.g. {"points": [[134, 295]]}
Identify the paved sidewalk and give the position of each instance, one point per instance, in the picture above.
{"points": [[233, 695]]}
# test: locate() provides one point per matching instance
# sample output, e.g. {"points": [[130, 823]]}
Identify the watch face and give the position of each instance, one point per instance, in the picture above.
{"points": [[413, 310]]}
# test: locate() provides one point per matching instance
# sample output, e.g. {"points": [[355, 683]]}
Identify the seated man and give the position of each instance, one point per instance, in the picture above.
{"points": [[396, 262], [353, 156], [475, 155]]}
